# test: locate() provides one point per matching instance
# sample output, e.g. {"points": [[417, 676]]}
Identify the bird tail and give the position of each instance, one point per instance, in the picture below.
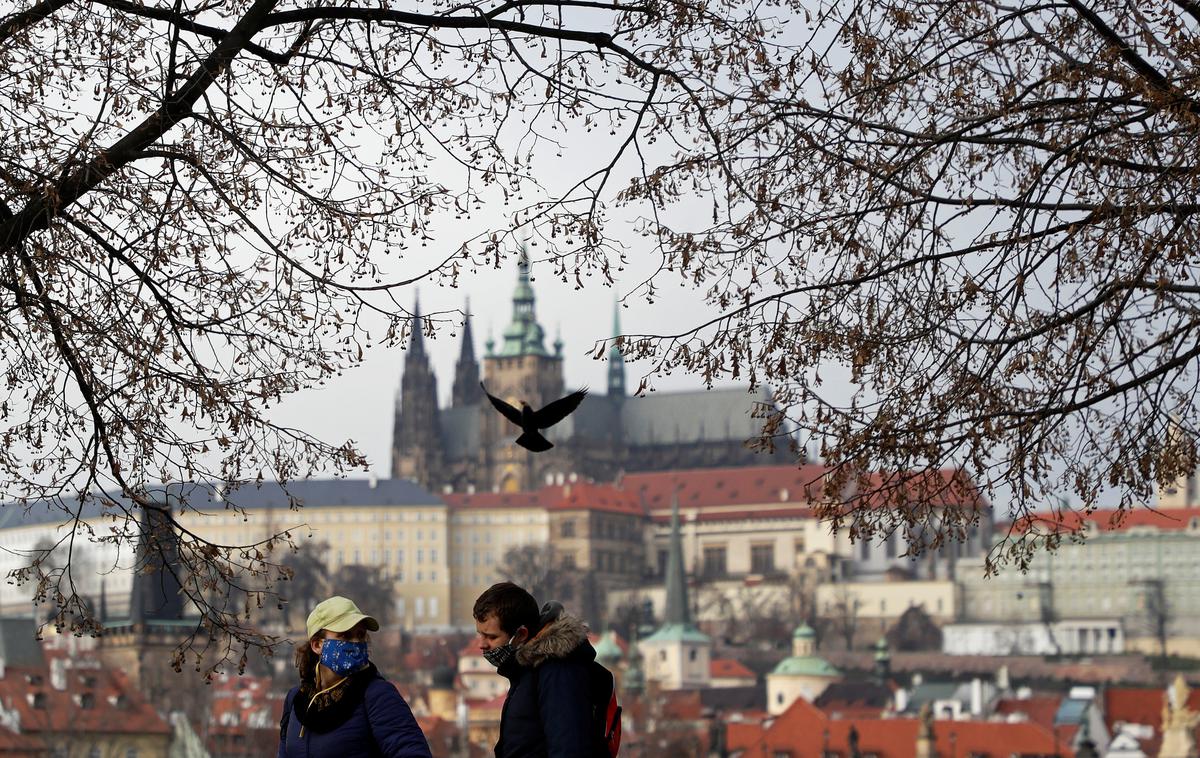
{"points": [[531, 440]]}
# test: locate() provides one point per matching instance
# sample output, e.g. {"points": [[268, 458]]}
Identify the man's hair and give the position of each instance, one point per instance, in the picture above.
{"points": [[512, 606]]}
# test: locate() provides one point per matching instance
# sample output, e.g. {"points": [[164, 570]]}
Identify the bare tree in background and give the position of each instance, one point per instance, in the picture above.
{"points": [[202, 206], [368, 587], [842, 616], [979, 217], [307, 577], [1157, 610], [539, 569]]}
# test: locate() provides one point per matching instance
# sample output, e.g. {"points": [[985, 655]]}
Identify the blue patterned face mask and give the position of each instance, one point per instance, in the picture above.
{"points": [[343, 657]]}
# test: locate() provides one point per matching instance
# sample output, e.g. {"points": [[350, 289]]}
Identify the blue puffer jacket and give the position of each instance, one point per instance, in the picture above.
{"points": [[549, 712], [363, 717]]}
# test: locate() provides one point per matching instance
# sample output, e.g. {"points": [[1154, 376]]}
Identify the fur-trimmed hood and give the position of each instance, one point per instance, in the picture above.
{"points": [[559, 638]]}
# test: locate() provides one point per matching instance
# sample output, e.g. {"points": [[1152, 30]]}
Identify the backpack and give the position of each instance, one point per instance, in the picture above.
{"points": [[605, 709], [606, 712]]}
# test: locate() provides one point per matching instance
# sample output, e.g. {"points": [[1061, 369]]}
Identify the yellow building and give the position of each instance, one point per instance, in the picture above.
{"points": [[596, 530], [393, 524]]}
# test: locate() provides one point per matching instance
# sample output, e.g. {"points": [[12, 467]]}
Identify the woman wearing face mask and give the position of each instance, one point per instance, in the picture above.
{"points": [[343, 707]]}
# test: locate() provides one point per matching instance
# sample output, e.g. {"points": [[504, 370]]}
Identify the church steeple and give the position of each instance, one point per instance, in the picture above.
{"points": [[466, 372], [616, 361], [416, 436], [677, 611], [524, 336], [678, 654]]}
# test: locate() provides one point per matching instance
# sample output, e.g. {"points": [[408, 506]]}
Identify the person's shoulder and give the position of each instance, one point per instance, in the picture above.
{"points": [[378, 686]]}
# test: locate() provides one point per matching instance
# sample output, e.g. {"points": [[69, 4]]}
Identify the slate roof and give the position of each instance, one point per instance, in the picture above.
{"points": [[699, 416], [313, 492], [18, 642], [460, 430]]}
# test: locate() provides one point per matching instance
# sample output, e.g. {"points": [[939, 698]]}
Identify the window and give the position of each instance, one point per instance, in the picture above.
{"points": [[433, 607], [864, 549], [714, 561], [568, 561], [420, 555], [87, 701], [662, 562], [420, 610], [762, 558], [662, 655], [433, 555], [692, 654], [567, 529], [890, 545]]}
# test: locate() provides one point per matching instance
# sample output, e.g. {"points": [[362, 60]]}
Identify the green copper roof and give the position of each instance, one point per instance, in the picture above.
{"points": [[524, 336], [804, 631], [808, 665], [607, 648], [685, 632]]}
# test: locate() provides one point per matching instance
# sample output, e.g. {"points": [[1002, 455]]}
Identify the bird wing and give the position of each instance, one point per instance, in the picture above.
{"points": [[506, 410], [558, 410]]}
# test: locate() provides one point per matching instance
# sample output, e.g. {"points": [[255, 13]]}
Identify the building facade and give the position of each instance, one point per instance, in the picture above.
{"points": [[1135, 572]]}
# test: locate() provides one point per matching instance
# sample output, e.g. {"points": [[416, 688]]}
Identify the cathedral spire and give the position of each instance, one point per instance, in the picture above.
{"points": [[677, 600], [524, 336], [417, 345], [416, 431], [466, 390], [616, 361]]}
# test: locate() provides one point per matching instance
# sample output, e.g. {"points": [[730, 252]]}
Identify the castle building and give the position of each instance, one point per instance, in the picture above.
{"points": [[467, 446]]}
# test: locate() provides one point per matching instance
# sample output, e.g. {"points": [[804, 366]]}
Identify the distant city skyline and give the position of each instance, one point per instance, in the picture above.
{"points": [[359, 404]]}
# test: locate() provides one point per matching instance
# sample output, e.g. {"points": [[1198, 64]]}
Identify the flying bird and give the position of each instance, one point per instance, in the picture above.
{"points": [[531, 421]]}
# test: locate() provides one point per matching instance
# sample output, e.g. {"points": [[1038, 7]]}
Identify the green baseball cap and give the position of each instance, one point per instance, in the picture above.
{"points": [[338, 614]]}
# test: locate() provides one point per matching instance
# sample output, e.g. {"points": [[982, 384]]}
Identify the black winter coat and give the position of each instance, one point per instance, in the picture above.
{"points": [[364, 717], [548, 712]]}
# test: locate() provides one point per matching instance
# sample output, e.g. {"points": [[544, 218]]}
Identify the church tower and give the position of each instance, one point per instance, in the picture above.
{"points": [[466, 372], [522, 369], [677, 655], [416, 436]]}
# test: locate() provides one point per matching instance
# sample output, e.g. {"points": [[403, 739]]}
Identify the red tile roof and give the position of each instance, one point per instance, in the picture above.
{"points": [[1142, 705], [565, 497], [1040, 709], [1109, 519], [800, 486], [805, 730], [14, 745], [749, 485], [728, 668], [94, 699]]}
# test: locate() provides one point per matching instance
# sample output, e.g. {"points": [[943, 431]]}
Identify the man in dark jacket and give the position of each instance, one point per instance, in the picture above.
{"points": [[547, 660]]}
